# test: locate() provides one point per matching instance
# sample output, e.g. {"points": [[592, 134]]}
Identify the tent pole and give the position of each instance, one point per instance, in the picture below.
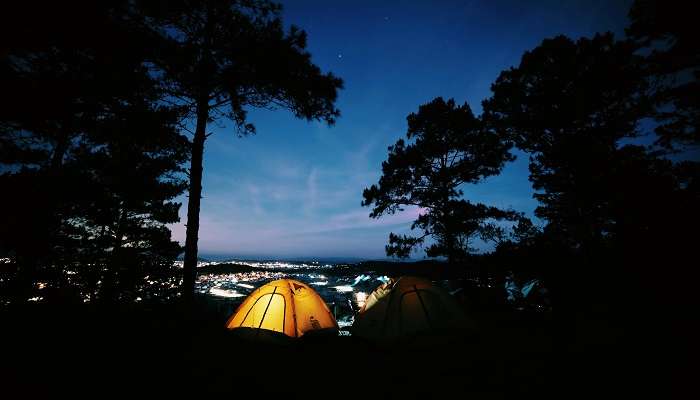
{"points": [[265, 313], [427, 317]]}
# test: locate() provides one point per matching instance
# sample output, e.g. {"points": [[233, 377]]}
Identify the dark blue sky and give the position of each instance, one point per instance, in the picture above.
{"points": [[294, 189]]}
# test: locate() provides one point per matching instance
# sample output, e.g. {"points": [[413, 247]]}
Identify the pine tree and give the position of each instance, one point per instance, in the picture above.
{"points": [[447, 147], [90, 155], [224, 57]]}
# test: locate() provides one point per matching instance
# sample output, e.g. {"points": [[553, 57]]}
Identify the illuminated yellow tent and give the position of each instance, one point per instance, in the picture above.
{"points": [[283, 306], [406, 307]]}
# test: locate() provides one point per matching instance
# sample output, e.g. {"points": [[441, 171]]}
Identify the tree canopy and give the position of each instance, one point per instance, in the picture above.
{"points": [[668, 32], [221, 57], [578, 108], [446, 148], [90, 155], [569, 104]]}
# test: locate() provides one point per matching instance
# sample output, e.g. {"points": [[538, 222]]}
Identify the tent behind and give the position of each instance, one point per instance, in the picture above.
{"points": [[283, 306], [406, 307]]}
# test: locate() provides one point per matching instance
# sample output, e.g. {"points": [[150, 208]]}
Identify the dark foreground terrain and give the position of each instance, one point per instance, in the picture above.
{"points": [[157, 350]]}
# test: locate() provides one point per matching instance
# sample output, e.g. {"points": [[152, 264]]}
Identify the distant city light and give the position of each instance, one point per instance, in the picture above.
{"points": [[245, 285], [225, 293], [262, 264], [343, 288]]}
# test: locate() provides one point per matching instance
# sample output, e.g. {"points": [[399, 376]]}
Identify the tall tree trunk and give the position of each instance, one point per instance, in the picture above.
{"points": [[35, 263], [108, 291], [59, 152], [195, 196], [449, 232]]}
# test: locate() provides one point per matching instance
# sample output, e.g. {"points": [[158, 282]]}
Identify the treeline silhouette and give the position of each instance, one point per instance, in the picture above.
{"points": [[91, 157], [610, 126], [106, 102]]}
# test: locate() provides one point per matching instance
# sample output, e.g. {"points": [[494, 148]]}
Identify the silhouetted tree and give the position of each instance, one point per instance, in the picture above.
{"points": [[133, 170], [569, 104], [668, 32], [448, 147], [58, 80], [576, 107], [223, 57], [89, 155], [522, 233]]}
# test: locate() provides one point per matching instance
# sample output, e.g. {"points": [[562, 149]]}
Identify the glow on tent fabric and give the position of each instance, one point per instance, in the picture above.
{"points": [[285, 306], [406, 307]]}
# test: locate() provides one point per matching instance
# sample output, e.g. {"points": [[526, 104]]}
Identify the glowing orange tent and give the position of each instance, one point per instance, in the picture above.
{"points": [[284, 306], [407, 307]]}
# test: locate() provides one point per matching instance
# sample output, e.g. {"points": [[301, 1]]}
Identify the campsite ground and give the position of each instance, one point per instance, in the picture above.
{"points": [[139, 351], [88, 351]]}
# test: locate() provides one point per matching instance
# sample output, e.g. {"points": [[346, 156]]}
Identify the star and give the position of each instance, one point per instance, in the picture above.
{"points": [[386, 18], [340, 56]]}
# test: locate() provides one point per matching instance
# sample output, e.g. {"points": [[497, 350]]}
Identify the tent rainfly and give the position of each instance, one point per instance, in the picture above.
{"points": [[283, 306], [407, 307]]}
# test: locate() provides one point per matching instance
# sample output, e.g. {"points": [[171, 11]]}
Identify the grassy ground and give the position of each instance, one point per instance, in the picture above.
{"points": [[165, 351], [85, 350]]}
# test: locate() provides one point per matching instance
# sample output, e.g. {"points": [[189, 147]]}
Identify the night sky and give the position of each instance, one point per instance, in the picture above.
{"points": [[294, 189]]}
